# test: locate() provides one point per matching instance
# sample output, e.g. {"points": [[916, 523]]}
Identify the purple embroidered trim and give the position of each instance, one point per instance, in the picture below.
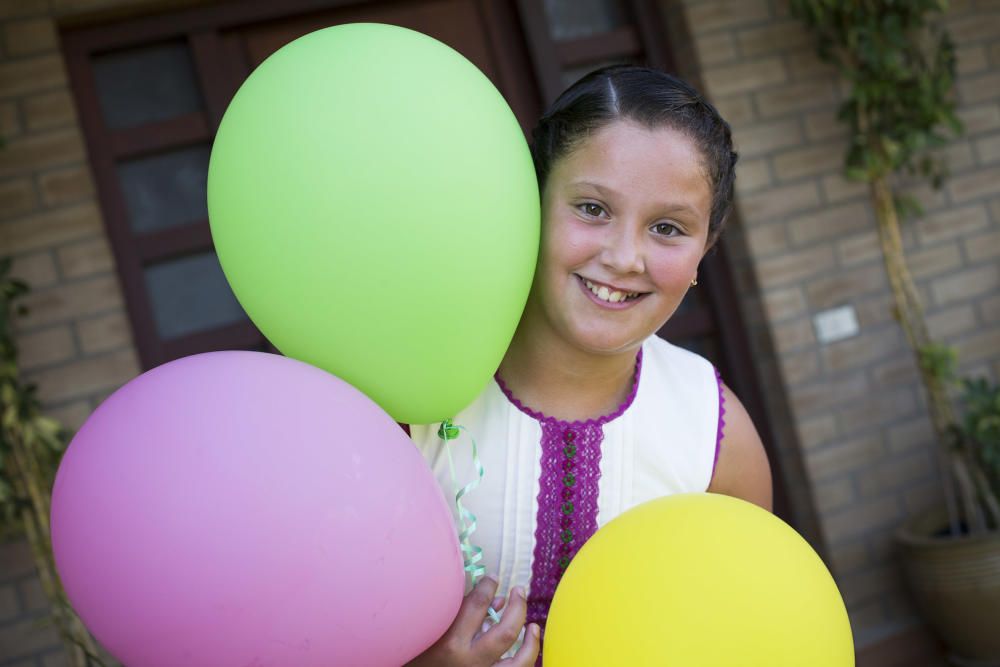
{"points": [[722, 423], [567, 497]]}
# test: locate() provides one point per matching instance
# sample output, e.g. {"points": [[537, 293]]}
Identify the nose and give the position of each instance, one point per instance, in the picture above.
{"points": [[622, 251]]}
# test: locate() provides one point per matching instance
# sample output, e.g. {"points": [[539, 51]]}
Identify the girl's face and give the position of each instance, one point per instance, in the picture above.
{"points": [[625, 224]]}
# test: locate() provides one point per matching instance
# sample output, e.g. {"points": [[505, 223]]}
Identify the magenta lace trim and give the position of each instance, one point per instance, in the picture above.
{"points": [[567, 497], [722, 423]]}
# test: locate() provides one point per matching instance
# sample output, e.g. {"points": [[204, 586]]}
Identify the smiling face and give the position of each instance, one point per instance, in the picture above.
{"points": [[625, 224]]}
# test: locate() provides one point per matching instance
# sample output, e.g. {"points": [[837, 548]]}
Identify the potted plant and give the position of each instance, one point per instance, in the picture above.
{"points": [[900, 66], [30, 447]]}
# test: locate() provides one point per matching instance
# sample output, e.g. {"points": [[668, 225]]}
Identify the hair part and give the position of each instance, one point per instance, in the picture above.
{"points": [[653, 99]]}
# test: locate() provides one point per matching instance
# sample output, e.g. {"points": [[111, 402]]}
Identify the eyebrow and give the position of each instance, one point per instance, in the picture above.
{"points": [[611, 193]]}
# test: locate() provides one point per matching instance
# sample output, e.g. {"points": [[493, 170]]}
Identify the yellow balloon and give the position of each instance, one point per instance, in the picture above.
{"points": [[698, 580]]}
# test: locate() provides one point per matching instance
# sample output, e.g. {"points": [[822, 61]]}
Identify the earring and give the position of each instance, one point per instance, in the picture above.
{"points": [[694, 282]]}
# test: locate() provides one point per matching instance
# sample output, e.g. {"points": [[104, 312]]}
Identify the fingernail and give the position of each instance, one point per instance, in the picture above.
{"points": [[496, 602], [535, 631], [518, 592]]}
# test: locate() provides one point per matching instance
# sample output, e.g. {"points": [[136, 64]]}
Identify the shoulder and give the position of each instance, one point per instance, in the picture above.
{"points": [[743, 470]]}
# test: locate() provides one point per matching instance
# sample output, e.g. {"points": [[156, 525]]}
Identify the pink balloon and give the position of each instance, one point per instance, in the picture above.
{"points": [[245, 509]]}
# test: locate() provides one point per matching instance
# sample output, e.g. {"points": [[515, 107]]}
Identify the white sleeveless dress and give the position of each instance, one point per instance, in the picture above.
{"points": [[663, 440]]}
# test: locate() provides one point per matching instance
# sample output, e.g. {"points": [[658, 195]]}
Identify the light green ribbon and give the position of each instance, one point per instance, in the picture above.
{"points": [[472, 555]]}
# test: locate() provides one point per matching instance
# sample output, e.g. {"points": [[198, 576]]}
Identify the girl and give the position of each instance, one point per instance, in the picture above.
{"points": [[590, 413]]}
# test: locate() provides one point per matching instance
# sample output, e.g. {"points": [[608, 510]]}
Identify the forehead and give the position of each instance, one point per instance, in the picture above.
{"points": [[645, 162]]}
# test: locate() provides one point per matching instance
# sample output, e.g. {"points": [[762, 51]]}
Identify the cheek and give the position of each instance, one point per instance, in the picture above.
{"points": [[674, 270]]}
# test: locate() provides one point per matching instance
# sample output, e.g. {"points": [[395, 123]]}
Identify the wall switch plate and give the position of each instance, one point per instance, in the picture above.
{"points": [[836, 324]]}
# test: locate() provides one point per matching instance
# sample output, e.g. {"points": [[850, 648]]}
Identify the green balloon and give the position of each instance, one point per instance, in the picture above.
{"points": [[374, 206]]}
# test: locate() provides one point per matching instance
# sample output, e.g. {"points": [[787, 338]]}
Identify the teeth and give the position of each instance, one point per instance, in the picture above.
{"points": [[604, 294]]}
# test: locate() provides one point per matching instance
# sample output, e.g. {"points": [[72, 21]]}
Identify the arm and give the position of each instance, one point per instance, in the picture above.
{"points": [[742, 470]]}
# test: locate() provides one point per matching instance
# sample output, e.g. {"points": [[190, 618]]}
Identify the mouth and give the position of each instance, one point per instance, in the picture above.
{"points": [[609, 294]]}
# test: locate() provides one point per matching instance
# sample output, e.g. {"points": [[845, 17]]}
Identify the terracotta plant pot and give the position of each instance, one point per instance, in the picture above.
{"points": [[956, 584]]}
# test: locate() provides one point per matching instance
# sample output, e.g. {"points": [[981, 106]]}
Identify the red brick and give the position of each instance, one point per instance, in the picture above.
{"points": [[29, 75], [971, 59], [867, 585], [796, 163], [752, 175], [900, 370], [978, 88], [774, 203], [45, 347], [860, 248], [951, 223], [66, 186], [989, 309], [887, 405], [86, 377], [850, 556], [49, 110], [832, 222], [782, 304], [966, 284], [915, 433], [988, 149], [862, 350], [792, 267], [744, 77], [799, 367], [72, 301], [796, 96], [834, 494], [982, 346], [71, 415], [896, 473], [9, 606], [105, 332], [38, 151], [10, 120], [875, 310], [840, 457], [30, 36], [17, 197], [15, 561], [767, 239], [49, 228], [793, 335], [981, 25], [934, 260], [37, 269], [836, 188], [774, 37], [951, 322], [980, 118], [862, 518], [846, 286], [736, 109], [826, 393], [86, 258], [816, 431], [763, 138], [823, 125], [715, 48], [718, 14]]}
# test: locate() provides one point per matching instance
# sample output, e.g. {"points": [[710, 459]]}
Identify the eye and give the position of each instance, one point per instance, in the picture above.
{"points": [[665, 229], [592, 210]]}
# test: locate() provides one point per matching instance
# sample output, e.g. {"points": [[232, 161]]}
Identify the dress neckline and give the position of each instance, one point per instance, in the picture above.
{"points": [[576, 423]]}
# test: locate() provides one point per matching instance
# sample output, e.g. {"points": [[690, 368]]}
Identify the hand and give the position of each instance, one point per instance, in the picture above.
{"points": [[467, 644]]}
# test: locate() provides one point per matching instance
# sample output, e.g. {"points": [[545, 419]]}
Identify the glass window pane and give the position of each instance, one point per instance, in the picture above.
{"points": [[570, 19], [147, 84], [166, 190], [191, 295]]}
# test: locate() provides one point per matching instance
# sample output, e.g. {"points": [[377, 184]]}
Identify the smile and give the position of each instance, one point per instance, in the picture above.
{"points": [[609, 294]]}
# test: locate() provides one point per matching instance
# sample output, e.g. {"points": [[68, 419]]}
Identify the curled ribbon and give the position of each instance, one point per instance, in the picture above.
{"points": [[471, 554]]}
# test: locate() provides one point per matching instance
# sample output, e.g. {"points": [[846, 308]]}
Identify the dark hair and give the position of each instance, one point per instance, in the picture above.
{"points": [[649, 97]]}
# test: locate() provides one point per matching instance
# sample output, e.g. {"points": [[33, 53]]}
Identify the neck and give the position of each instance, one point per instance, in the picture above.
{"points": [[551, 376]]}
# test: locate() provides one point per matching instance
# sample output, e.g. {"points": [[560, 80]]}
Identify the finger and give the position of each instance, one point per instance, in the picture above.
{"points": [[528, 653], [503, 635], [473, 610]]}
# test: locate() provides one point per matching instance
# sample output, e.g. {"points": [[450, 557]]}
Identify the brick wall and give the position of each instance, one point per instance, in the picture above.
{"points": [[76, 342], [805, 241]]}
